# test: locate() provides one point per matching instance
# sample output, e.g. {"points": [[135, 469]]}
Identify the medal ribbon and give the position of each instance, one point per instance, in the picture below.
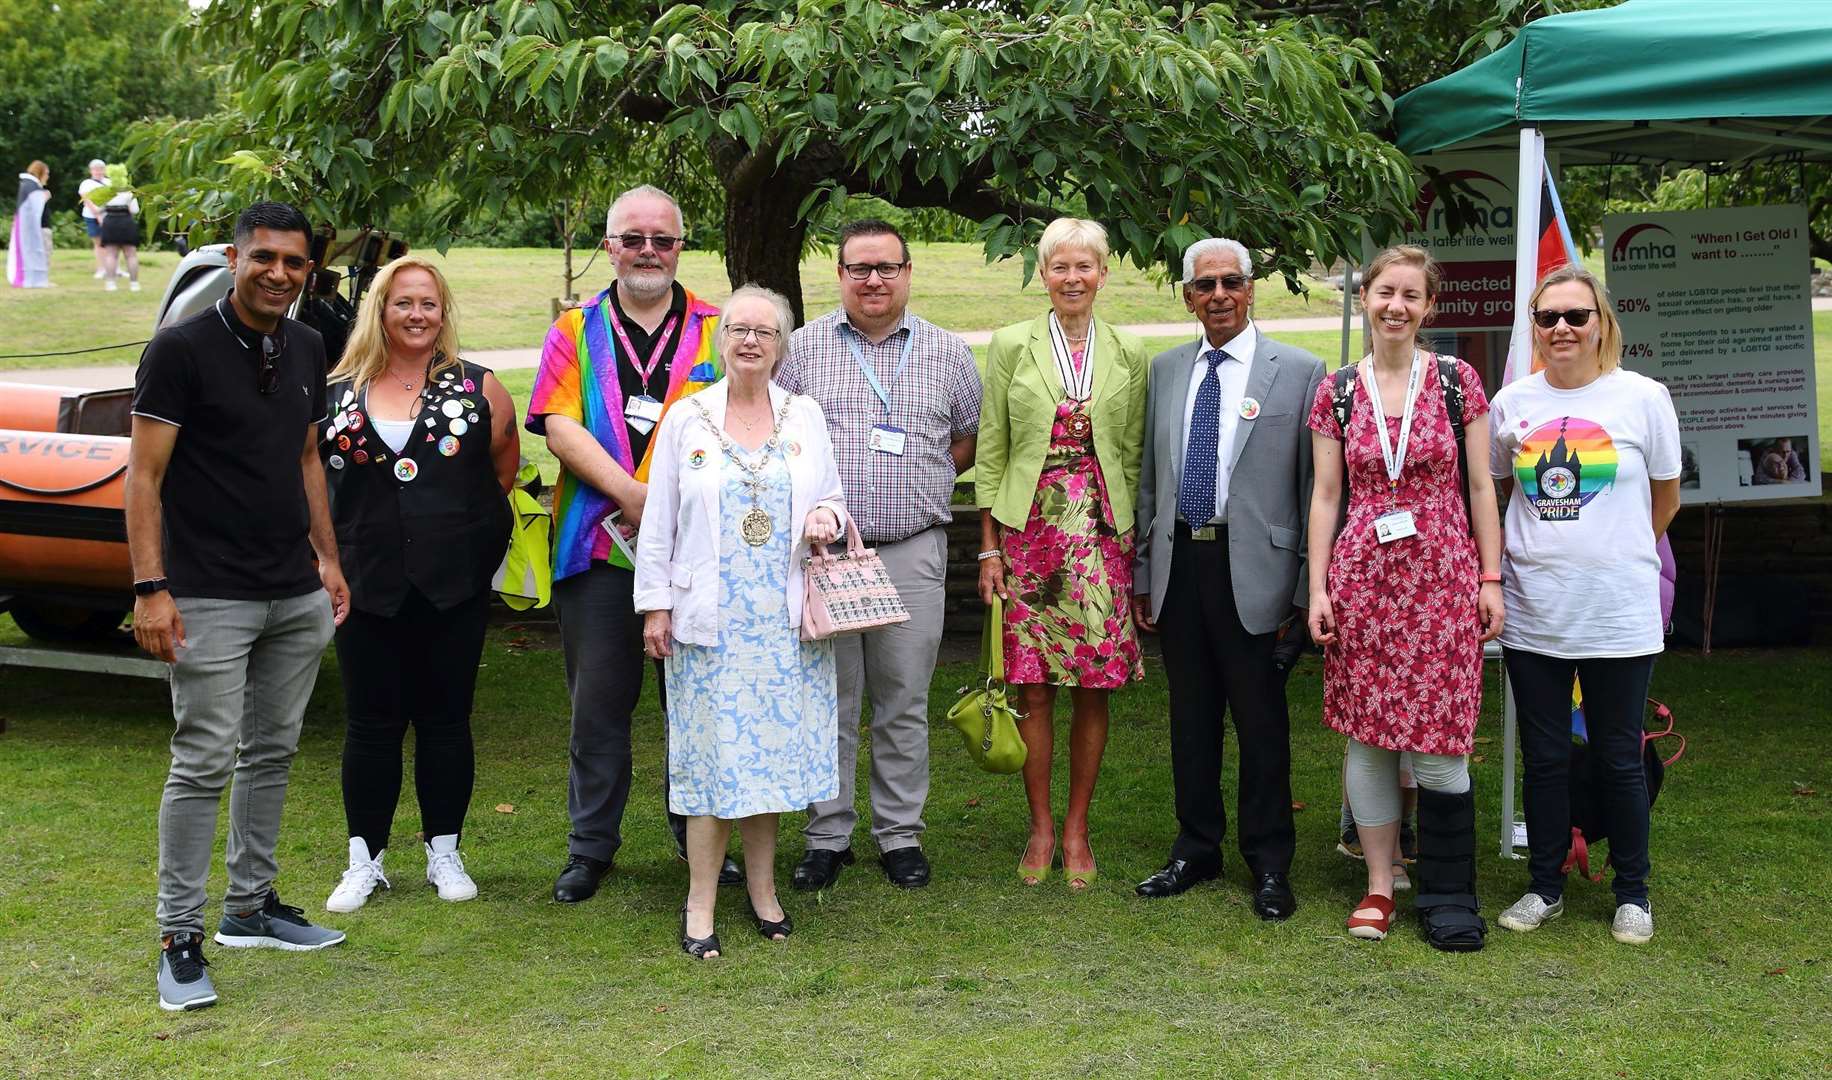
{"points": [[1077, 383], [1393, 457], [646, 369], [847, 334]]}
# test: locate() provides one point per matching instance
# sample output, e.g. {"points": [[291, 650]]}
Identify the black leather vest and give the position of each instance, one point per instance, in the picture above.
{"points": [[431, 517]]}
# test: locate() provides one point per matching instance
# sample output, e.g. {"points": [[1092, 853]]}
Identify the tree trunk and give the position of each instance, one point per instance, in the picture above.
{"points": [[763, 237]]}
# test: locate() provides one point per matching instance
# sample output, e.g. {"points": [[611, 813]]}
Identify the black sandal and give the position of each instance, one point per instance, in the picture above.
{"points": [[785, 926], [698, 947]]}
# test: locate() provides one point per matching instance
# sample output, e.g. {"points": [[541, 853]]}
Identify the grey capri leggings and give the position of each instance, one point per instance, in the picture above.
{"points": [[1372, 780]]}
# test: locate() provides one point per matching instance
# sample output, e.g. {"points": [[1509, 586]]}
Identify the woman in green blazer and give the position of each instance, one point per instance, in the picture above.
{"points": [[1061, 431]]}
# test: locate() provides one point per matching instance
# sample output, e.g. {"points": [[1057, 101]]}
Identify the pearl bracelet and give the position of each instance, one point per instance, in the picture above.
{"points": [[993, 554]]}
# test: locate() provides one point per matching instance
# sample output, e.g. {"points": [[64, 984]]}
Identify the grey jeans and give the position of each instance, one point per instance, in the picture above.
{"points": [[894, 664], [239, 692]]}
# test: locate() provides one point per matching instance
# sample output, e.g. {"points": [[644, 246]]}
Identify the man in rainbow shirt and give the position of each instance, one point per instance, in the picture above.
{"points": [[609, 371]]}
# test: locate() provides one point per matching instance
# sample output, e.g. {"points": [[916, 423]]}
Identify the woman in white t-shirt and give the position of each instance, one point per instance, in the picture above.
{"points": [[1591, 453]]}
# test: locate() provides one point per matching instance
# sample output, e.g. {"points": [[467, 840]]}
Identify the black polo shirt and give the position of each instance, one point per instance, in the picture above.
{"points": [[235, 521], [629, 376]]}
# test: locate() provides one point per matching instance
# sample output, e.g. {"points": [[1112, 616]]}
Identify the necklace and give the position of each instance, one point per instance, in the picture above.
{"points": [[406, 384], [755, 527], [749, 425]]}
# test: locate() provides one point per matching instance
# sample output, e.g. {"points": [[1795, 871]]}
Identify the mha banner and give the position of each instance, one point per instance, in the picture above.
{"points": [[1714, 303]]}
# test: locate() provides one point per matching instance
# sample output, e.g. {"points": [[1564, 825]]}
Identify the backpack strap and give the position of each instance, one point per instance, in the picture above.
{"points": [[1342, 398], [1451, 382]]}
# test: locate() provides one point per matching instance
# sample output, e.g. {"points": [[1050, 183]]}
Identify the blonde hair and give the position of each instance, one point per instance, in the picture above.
{"points": [[365, 356], [1078, 234], [1609, 336], [1405, 255]]}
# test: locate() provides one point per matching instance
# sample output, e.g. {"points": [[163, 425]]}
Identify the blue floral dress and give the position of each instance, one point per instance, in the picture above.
{"points": [[752, 721]]}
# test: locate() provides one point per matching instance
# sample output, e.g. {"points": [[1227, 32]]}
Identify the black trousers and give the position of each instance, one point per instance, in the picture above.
{"points": [[601, 637], [420, 668], [1615, 701], [1217, 668]]}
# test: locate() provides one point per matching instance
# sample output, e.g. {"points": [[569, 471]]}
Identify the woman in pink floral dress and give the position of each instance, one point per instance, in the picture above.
{"points": [[1403, 597], [1055, 470]]}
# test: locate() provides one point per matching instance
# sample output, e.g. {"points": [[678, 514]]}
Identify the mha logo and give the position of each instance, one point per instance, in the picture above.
{"points": [[1450, 203], [1638, 248]]}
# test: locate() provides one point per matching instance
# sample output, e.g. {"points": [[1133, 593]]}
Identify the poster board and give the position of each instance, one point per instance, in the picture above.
{"points": [[1715, 304]]}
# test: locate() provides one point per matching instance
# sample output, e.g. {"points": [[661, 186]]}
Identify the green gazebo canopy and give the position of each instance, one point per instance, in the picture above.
{"points": [[1648, 80]]}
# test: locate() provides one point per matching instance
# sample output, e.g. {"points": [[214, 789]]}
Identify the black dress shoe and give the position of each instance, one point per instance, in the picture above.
{"points": [[730, 873], [820, 868], [1177, 876], [698, 947], [907, 867], [579, 881], [1273, 898], [770, 929]]}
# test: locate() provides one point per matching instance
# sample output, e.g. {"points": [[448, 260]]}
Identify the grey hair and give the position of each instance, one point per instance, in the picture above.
{"points": [[785, 314], [649, 191], [1211, 246]]}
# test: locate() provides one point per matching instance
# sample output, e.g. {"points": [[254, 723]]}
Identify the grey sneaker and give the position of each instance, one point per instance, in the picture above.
{"points": [[183, 982], [1531, 912], [275, 926], [1633, 925]]}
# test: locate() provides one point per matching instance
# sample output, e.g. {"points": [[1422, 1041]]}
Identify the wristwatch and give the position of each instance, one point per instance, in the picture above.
{"points": [[149, 586]]}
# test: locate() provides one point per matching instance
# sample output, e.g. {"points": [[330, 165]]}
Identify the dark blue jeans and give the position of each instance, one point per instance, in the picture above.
{"points": [[1615, 700]]}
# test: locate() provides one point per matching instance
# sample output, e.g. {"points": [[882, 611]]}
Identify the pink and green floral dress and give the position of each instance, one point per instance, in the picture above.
{"points": [[1070, 574]]}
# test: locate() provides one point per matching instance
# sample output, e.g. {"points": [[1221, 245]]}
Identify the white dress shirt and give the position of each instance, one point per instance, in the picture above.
{"points": [[1232, 374]]}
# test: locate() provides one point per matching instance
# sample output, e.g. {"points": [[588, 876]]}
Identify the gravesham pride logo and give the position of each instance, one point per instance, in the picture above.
{"points": [[1563, 465]]}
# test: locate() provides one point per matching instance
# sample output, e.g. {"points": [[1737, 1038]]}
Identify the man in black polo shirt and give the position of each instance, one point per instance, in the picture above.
{"points": [[225, 509]]}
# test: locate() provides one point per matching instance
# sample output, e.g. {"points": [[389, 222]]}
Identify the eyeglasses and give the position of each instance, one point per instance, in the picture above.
{"points": [[635, 241], [1574, 318], [269, 379], [763, 334], [885, 271], [1232, 283]]}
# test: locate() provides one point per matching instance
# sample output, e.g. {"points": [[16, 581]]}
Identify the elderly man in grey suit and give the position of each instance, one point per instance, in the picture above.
{"points": [[1223, 496]]}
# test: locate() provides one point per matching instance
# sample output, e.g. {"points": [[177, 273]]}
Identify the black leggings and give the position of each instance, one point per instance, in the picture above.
{"points": [[1615, 700], [418, 667]]}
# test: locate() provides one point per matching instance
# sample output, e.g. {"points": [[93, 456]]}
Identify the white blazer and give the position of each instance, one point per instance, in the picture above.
{"points": [[677, 548]]}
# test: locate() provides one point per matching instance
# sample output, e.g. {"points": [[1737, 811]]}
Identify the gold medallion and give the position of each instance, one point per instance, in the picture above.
{"points": [[755, 527], [1079, 424]]}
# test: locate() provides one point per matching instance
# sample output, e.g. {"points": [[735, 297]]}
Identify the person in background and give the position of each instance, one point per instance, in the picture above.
{"points": [[1402, 596], [1588, 454], [92, 211], [609, 372], [419, 450], [121, 239], [1056, 471], [902, 401], [743, 482], [28, 253], [226, 510]]}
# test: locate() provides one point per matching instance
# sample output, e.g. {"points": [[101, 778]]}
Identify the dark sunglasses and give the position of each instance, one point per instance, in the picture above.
{"points": [[634, 242], [1574, 318], [269, 379], [1205, 285], [885, 271]]}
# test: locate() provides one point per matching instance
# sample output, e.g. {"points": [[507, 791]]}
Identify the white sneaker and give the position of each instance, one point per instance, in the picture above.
{"points": [[1530, 912], [1401, 881], [100, 274], [445, 869], [360, 880], [110, 285], [120, 271], [133, 286], [1633, 925]]}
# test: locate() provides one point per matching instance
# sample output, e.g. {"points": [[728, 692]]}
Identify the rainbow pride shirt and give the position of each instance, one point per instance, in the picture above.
{"points": [[578, 380]]}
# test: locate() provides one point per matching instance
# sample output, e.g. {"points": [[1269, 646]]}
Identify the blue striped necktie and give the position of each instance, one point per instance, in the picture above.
{"points": [[1196, 495]]}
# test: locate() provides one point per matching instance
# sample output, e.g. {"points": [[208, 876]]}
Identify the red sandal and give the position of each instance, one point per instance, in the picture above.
{"points": [[1371, 929]]}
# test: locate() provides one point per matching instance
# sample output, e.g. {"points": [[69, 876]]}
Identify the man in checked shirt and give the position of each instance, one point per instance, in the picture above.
{"points": [[902, 398]]}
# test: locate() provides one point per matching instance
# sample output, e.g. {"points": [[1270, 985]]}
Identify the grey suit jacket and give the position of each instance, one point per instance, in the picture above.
{"points": [[1268, 491]]}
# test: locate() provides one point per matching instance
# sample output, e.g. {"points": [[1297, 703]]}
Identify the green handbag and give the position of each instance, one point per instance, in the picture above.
{"points": [[987, 722]]}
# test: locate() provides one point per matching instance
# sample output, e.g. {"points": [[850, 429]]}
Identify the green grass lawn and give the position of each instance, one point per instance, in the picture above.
{"points": [[975, 976], [504, 298]]}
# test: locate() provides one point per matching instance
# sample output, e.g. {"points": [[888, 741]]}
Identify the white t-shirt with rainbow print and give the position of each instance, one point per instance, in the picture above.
{"points": [[1580, 572]]}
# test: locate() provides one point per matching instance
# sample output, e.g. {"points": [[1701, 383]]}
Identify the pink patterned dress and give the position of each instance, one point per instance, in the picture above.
{"points": [[1070, 574], [1406, 670]]}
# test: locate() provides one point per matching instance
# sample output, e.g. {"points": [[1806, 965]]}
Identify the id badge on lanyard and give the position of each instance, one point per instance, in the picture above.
{"points": [[641, 412], [1397, 523], [885, 438]]}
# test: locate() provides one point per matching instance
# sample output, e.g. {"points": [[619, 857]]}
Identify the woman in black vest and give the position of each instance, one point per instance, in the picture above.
{"points": [[419, 452]]}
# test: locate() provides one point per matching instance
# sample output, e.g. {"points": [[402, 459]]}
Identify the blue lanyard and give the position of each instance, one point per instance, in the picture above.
{"points": [[847, 334]]}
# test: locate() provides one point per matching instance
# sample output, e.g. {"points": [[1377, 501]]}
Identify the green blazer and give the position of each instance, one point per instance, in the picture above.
{"points": [[1021, 392]]}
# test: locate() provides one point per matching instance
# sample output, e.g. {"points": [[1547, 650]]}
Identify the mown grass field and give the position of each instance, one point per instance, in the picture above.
{"points": [[975, 976]]}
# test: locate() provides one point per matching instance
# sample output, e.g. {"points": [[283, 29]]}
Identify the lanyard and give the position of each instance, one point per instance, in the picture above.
{"points": [[645, 370], [1394, 457], [1078, 385], [847, 335]]}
